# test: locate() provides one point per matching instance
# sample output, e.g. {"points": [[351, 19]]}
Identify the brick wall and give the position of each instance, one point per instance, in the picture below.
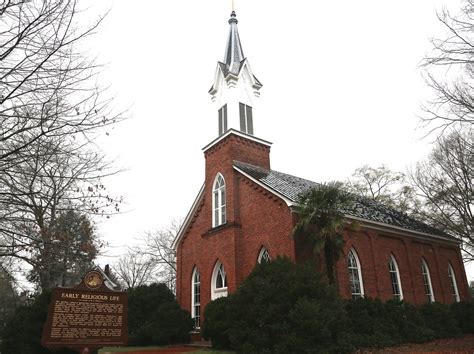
{"points": [[374, 249]]}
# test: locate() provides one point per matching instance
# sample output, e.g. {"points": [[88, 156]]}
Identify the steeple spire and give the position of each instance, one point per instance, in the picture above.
{"points": [[233, 50], [235, 87]]}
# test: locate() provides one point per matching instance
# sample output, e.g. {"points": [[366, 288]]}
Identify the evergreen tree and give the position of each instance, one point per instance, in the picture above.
{"points": [[68, 252]]}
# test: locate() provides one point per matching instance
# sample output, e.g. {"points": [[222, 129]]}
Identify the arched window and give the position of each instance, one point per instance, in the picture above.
{"points": [[196, 298], [219, 282], [395, 278], [427, 281], [454, 284], [263, 256], [355, 275], [218, 201]]}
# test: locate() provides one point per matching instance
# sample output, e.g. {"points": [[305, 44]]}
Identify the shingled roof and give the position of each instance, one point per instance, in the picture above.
{"points": [[290, 187]]}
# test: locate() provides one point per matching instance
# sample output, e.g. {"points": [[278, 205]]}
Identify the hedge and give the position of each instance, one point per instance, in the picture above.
{"points": [[283, 307]]}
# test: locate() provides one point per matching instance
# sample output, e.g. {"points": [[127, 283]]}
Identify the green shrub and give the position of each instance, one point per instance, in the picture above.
{"points": [[281, 307], [23, 332], [285, 308], [317, 326], [464, 314], [439, 318], [368, 319], [377, 324], [409, 323], [155, 318], [217, 324]]}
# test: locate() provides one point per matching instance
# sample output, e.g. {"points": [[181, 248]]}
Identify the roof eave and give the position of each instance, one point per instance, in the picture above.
{"points": [[387, 227], [188, 218]]}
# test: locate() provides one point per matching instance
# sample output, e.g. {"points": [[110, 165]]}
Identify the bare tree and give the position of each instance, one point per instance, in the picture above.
{"points": [[152, 261], [54, 176], [445, 183], [135, 269], [384, 186], [47, 86], [51, 109], [159, 246], [453, 103]]}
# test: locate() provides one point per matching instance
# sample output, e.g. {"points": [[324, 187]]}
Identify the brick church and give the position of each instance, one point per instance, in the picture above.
{"points": [[244, 214]]}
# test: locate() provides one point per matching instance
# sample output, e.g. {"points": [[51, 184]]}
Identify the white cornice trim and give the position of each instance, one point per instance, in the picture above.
{"points": [[256, 181], [238, 133], [412, 233], [188, 218]]}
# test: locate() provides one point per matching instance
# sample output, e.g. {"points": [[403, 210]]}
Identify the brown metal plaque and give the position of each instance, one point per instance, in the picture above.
{"points": [[81, 317]]}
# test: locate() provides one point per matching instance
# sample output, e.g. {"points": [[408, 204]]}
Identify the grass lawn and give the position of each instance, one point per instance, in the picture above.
{"points": [[127, 349], [211, 351]]}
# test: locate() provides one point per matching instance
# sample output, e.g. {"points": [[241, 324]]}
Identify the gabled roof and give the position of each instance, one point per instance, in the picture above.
{"points": [[289, 187]]}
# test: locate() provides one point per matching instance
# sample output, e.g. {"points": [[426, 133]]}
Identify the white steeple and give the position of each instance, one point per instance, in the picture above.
{"points": [[235, 88]]}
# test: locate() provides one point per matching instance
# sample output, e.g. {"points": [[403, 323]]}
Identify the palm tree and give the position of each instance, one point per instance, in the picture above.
{"points": [[321, 222]]}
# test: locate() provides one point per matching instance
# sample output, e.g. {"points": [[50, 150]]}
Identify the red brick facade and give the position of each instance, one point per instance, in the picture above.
{"points": [[257, 218]]}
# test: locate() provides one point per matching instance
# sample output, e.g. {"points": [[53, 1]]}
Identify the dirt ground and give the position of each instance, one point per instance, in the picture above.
{"points": [[463, 345]]}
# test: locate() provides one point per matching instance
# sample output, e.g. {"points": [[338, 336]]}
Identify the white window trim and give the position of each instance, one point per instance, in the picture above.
{"points": [[359, 271], [261, 253], [221, 202], [425, 270], [218, 292], [193, 304], [397, 272], [454, 283]]}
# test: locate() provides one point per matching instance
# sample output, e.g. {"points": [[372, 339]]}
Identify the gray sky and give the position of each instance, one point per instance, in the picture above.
{"points": [[341, 88]]}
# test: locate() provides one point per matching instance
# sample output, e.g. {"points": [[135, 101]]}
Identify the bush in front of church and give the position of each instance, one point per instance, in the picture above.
{"points": [[464, 314], [280, 308], [441, 320], [377, 324], [217, 324], [155, 318]]}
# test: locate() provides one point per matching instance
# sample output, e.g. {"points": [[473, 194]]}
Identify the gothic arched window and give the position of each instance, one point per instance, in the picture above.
{"points": [[218, 201], [427, 281], [454, 284], [263, 256], [218, 281], [196, 298], [355, 274], [395, 278]]}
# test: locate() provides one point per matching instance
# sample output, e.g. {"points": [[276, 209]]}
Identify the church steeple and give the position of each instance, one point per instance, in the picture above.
{"points": [[235, 86], [233, 50]]}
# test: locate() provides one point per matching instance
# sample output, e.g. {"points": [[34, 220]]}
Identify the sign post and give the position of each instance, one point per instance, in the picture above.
{"points": [[85, 317]]}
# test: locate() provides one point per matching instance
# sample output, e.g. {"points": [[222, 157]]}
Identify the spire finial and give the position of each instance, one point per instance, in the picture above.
{"points": [[233, 16]]}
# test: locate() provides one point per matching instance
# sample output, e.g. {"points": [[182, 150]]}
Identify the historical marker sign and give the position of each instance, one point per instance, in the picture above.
{"points": [[89, 315]]}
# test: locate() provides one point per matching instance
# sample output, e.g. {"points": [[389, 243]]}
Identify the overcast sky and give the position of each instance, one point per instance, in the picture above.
{"points": [[341, 80]]}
